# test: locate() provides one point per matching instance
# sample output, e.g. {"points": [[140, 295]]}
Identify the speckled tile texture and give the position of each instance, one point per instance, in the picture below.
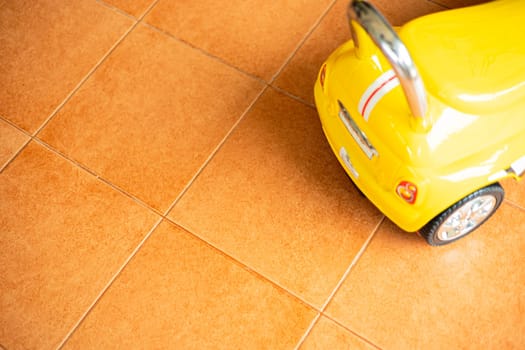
{"points": [[165, 183]]}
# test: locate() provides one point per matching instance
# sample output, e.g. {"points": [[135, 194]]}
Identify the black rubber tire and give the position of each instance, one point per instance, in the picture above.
{"points": [[430, 231]]}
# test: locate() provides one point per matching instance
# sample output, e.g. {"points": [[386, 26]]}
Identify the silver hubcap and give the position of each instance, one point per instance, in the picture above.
{"points": [[467, 217]]}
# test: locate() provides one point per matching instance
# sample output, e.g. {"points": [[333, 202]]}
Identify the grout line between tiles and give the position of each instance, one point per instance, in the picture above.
{"points": [[205, 53], [148, 10], [108, 285], [352, 264], [150, 232], [308, 331], [162, 216], [215, 150], [294, 97], [117, 10], [439, 4], [4, 119], [86, 77], [12, 158], [237, 69], [340, 283], [165, 218], [246, 266], [303, 40], [24, 145], [316, 320], [211, 245], [122, 12], [351, 331], [33, 136], [65, 157], [514, 204], [98, 177]]}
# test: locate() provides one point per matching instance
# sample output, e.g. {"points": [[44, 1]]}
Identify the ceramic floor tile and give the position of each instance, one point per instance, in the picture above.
{"points": [[64, 235], [299, 76], [403, 294], [47, 48], [11, 140], [135, 7], [178, 292], [515, 191], [257, 36], [276, 198], [327, 334], [151, 115]]}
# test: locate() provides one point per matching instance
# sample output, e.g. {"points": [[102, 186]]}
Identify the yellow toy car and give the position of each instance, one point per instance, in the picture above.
{"points": [[427, 118]]}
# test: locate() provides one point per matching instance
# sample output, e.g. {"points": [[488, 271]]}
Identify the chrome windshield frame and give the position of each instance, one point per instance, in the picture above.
{"points": [[387, 40]]}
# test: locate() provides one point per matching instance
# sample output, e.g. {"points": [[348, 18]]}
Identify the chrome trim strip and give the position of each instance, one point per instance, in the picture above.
{"points": [[354, 130], [518, 167], [384, 36], [346, 159]]}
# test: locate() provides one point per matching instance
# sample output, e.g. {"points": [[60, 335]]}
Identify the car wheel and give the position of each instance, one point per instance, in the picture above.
{"points": [[464, 216]]}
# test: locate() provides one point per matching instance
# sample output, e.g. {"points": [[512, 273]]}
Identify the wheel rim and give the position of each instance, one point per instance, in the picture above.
{"points": [[467, 217]]}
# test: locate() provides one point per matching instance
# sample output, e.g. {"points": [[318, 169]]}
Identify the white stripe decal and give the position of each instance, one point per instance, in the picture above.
{"points": [[376, 91]]}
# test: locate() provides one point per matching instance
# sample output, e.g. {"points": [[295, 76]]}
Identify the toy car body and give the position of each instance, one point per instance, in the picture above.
{"points": [[427, 118]]}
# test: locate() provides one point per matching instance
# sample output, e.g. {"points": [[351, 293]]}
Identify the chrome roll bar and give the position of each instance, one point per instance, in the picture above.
{"points": [[384, 36]]}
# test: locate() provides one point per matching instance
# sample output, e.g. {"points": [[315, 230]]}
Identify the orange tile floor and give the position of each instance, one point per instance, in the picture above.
{"points": [[165, 183]]}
